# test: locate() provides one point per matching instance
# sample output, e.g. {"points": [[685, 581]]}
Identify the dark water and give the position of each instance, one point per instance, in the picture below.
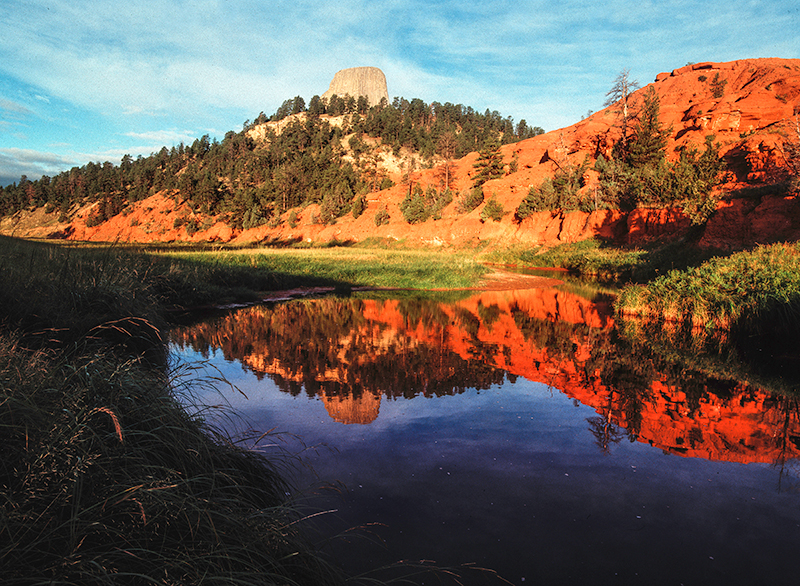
{"points": [[520, 431]]}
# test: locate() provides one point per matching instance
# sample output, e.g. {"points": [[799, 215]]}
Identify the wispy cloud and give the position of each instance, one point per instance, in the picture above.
{"points": [[15, 109], [163, 137], [15, 162], [135, 68]]}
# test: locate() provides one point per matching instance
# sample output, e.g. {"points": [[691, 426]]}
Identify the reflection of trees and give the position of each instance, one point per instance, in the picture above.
{"points": [[328, 345], [412, 347], [605, 432], [489, 314], [788, 443]]}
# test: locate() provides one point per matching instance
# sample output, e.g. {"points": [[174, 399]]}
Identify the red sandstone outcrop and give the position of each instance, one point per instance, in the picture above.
{"points": [[745, 104]]}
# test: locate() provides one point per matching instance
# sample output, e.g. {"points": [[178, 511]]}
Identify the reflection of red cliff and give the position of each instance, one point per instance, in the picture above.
{"points": [[509, 330], [749, 427], [519, 356]]}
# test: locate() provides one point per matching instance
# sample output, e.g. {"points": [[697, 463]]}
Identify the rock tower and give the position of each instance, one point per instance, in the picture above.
{"points": [[359, 81]]}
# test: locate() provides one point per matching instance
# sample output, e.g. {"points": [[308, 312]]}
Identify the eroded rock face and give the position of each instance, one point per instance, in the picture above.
{"points": [[359, 81], [749, 106]]}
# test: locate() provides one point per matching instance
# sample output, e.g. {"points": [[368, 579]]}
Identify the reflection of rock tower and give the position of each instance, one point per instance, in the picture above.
{"points": [[363, 409], [359, 81]]}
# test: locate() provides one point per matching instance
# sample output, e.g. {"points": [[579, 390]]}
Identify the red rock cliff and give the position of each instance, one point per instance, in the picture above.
{"points": [[745, 104]]}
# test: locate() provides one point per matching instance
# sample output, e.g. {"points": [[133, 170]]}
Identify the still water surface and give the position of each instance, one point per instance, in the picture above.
{"points": [[522, 431]]}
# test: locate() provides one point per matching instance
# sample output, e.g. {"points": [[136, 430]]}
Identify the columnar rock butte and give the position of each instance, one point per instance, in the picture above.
{"points": [[369, 82]]}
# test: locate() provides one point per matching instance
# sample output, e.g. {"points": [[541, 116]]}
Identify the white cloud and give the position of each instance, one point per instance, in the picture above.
{"points": [[147, 63], [15, 162], [164, 137]]}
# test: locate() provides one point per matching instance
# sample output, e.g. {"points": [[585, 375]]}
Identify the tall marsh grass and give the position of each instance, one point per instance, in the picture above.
{"points": [[753, 291], [104, 476]]}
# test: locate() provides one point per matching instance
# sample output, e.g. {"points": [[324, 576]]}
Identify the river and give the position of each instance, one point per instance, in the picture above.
{"points": [[525, 431]]}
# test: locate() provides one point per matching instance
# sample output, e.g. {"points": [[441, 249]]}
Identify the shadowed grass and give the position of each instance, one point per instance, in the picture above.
{"points": [[104, 476], [107, 480]]}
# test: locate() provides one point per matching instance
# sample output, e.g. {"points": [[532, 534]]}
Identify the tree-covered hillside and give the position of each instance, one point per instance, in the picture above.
{"points": [[250, 182]]}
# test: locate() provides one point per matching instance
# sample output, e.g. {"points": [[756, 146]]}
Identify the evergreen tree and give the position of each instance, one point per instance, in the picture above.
{"points": [[489, 164], [650, 139]]}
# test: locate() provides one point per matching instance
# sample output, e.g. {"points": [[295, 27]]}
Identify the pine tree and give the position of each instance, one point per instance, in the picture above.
{"points": [[489, 164], [650, 140]]}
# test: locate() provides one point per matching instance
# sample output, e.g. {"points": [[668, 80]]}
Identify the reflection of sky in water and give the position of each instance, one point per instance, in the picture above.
{"points": [[511, 478]]}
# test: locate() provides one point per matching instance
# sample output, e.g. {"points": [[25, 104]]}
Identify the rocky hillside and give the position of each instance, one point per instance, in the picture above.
{"points": [[750, 107]]}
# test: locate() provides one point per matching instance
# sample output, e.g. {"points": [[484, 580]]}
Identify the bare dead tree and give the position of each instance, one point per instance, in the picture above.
{"points": [[618, 94], [447, 148], [792, 151]]}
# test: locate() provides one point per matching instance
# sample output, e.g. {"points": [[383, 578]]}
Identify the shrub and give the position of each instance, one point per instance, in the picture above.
{"points": [[470, 200], [718, 86], [382, 217], [419, 206], [359, 205], [255, 216], [493, 210], [413, 206], [562, 192], [441, 201]]}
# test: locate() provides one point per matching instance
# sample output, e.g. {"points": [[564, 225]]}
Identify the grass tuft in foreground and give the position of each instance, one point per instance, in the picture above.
{"points": [[107, 480]]}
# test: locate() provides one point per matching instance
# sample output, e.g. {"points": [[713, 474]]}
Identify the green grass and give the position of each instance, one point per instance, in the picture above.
{"points": [[346, 266], [749, 290], [595, 260]]}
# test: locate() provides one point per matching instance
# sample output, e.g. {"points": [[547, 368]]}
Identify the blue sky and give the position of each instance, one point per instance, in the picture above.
{"points": [[92, 81]]}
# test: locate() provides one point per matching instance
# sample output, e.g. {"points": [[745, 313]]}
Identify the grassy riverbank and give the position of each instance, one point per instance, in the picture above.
{"points": [[596, 261], [678, 283], [105, 478], [754, 291]]}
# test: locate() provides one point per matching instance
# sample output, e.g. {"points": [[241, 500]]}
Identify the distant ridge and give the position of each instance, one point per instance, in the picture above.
{"points": [[369, 82]]}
